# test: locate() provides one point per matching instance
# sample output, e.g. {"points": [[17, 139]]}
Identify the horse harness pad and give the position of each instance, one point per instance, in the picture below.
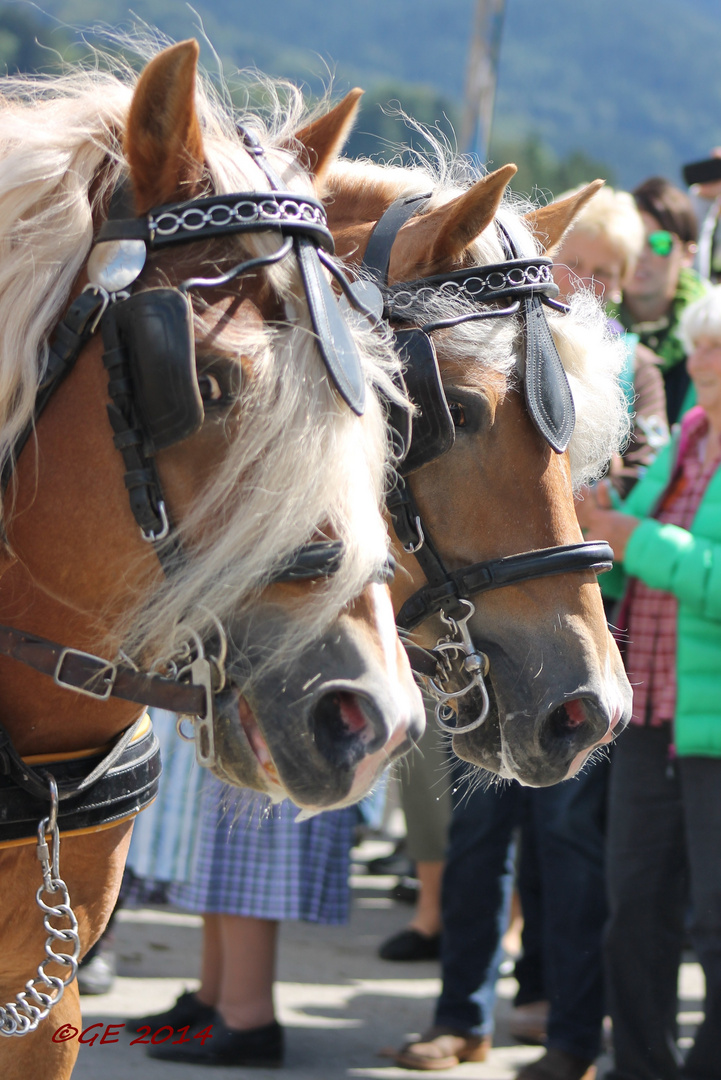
{"points": [[126, 785]]}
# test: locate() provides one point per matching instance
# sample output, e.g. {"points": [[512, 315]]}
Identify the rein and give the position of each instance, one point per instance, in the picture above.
{"points": [[528, 285]]}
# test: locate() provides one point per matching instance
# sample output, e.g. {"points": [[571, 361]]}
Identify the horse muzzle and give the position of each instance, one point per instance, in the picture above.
{"points": [[318, 732]]}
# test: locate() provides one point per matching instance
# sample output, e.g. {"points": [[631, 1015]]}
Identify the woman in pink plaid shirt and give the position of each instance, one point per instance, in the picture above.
{"points": [[664, 829]]}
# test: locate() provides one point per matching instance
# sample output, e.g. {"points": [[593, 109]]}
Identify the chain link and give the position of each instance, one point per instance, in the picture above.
{"points": [[249, 210], [41, 993], [475, 286]]}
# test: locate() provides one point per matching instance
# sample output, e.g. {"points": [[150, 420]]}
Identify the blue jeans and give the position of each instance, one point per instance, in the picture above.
{"points": [[664, 850], [563, 831], [475, 899], [562, 888]]}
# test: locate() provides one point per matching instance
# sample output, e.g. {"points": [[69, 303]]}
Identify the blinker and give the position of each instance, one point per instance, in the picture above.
{"points": [[432, 432], [155, 328]]}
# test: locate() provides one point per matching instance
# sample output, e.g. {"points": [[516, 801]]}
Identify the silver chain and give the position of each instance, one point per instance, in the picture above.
{"points": [[34, 1003], [245, 211], [471, 287]]}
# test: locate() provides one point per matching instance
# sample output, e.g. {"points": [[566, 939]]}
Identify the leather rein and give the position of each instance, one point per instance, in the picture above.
{"points": [[528, 285]]}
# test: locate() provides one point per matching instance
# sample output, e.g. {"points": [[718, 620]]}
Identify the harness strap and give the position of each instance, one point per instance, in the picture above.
{"points": [[70, 338], [101, 679], [377, 258], [590, 555]]}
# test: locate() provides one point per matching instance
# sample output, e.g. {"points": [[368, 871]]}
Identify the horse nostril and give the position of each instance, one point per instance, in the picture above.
{"points": [[567, 718], [577, 724], [343, 732]]}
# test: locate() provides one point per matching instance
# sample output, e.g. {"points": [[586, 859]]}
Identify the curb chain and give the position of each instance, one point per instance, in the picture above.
{"points": [[41, 993]]}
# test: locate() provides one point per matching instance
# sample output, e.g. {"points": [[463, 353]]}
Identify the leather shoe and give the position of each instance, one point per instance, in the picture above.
{"points": [[261, 1047], [411, 944], [442, 1048], [528, 1022], [558, 1065], [187, 1011]]}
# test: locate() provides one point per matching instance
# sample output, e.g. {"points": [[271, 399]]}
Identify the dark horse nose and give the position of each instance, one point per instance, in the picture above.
{"points": [[346, 727], [571, 727]]}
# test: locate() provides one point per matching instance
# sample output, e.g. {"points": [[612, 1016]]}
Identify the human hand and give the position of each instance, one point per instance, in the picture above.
{"points": [[712, 190], [599, 521]]}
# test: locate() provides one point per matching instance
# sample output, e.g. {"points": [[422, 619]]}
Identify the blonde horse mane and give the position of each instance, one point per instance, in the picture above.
{"points": [[592, 356], [302, 461]]}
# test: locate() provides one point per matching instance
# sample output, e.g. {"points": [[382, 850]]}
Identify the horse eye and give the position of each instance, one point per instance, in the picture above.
{"points": [[209, 388], [458, 413]]}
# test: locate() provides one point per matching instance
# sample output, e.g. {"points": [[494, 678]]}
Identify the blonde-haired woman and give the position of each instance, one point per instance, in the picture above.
{"points": [[600, 253]]}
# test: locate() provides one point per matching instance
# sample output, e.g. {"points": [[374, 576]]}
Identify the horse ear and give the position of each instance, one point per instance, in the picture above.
{"points": [[323, 139], [549, 223], [163, 142], [450, 229]]}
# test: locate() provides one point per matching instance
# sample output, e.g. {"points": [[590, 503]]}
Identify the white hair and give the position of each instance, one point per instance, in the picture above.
{"points": [[702, 318], [302, 462], [591, 354], [613, 216]]}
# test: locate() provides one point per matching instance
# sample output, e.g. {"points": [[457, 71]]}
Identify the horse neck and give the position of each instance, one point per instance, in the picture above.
{"points": [[40, 716]]}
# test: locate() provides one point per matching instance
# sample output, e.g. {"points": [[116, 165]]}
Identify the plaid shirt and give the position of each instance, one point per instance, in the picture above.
{"points": [[650, 654]]}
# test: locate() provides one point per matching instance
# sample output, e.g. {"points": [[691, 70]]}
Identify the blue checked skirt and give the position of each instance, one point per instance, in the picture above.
{"points": [[252, 858]]}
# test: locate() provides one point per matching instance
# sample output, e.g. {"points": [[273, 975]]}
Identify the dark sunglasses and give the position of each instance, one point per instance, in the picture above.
{"points": [[661, 242]]}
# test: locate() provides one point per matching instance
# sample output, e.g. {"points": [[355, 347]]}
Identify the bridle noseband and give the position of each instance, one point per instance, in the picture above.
{"points": [[514, 286]]}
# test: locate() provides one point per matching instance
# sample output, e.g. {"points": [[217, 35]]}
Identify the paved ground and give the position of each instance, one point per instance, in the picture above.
{"points": [[339, 1003]]}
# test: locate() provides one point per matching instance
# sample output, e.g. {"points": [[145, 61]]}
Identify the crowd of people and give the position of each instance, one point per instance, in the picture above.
{"points": [[616, 870]]}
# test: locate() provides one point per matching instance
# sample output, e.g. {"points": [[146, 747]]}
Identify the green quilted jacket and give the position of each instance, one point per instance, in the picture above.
{"points": [[687, 564]]}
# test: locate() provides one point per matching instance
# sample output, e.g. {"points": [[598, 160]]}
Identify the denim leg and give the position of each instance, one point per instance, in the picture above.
{"points": [[647, 874], [529, 967], [568, 824], [475, 899], [701, 785]]}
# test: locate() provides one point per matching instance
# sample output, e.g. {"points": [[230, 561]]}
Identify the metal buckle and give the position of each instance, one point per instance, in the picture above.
{"points": [[105, 666]]}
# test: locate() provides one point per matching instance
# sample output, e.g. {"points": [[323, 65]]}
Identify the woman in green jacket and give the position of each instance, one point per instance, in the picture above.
{"points": [[664, 830]]}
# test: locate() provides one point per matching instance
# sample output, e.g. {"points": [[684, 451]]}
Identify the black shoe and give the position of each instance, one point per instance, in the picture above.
{"points": [[410, 944], [261, 1046], [406, 890], [186, 1011], [396, 864]]}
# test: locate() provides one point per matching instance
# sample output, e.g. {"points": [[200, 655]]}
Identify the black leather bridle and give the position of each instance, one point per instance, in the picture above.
{"points": [[514, 286], [155, 401]]}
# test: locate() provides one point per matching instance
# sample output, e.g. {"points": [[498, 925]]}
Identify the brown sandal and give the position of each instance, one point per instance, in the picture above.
{"points": [[442, 1048]]}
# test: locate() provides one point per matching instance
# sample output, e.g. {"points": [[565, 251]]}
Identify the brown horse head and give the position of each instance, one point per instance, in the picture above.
{"points": [[241, 439], [555, 684]]}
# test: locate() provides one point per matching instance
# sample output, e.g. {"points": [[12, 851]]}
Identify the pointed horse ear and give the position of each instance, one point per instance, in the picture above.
{"points": [[549, 223], [162, 141], [442, 235], [323, 139]]}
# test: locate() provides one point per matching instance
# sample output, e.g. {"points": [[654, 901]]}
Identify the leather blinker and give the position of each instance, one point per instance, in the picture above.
{"points": [[156, 330], [432, 432]]}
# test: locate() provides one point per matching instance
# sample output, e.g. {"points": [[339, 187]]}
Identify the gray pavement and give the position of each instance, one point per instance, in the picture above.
{"points": [[339, 1003]]}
